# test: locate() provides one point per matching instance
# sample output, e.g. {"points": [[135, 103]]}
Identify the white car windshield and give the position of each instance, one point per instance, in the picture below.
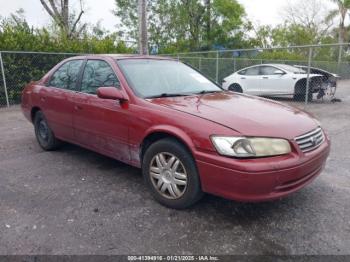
{"points": [[151, 78]]}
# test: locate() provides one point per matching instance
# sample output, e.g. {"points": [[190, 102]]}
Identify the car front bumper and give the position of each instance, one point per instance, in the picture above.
{"points": [[257, 180]]}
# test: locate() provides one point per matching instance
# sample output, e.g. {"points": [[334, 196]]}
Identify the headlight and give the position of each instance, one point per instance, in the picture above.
{"points": [[250, 147]]}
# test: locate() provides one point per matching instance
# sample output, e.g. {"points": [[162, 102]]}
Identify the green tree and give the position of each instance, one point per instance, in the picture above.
{"points": [[341, 12], [226, 22], [263, 36], [20, 68], [184, 24]]}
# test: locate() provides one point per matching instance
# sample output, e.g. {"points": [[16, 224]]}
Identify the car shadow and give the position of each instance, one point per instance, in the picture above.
{"points": [[244, 214], [250, 221]]}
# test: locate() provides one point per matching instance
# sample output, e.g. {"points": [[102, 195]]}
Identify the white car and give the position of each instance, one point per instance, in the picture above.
{"points": [[276, 80]]}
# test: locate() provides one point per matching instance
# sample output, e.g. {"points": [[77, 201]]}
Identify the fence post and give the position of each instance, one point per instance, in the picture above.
{"points": [[341, 48], [4, 80], [308, 77], [340, 54], [200, 63], [217, 67]]}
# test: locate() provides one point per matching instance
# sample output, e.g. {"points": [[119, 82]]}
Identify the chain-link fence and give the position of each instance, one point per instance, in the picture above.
{"points": [[300, 74], [19, 68]]}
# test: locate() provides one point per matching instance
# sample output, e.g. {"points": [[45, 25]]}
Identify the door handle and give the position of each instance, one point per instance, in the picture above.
{"points": [[42, 99], [265, 77], [243, 78], [76, 107]]}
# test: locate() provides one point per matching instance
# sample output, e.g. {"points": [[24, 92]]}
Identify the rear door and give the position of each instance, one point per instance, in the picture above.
{"points": [[250, 80], [57, 98], [101, 124]]}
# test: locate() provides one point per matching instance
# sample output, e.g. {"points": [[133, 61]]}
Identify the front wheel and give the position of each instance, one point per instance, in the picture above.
{"points": [[170, 172], [235, 88]]}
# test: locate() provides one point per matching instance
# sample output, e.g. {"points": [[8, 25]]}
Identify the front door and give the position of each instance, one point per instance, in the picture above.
{"points": [[250, 81], [274, 81], [101, 124]]}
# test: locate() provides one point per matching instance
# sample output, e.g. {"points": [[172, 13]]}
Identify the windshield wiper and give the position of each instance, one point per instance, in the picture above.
{"points": [[166, 95], [209, 92]]}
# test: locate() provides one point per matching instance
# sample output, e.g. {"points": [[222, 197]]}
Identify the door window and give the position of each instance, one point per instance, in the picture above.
{"points": [[67, 75], [268, 70], [242, 72], [253, 71], [97, 73]]}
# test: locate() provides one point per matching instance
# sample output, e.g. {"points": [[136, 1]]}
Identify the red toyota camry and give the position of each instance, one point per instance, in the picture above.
{"points": [[186, 134]]}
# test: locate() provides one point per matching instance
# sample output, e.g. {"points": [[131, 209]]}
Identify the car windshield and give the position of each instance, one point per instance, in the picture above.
{"points": [[292, 69], [150, 78]]}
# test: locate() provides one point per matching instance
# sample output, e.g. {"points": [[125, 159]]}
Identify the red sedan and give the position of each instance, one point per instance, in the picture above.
{"points": [[187, 134]]}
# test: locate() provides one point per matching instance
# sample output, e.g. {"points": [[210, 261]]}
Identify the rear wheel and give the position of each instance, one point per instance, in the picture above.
{"points": [[43, 133], [300, 91], [170, 172], [235, 88]]}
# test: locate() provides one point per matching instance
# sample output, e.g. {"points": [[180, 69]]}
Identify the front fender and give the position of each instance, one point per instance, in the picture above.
{"points": [[173, 131], [135, 148]]}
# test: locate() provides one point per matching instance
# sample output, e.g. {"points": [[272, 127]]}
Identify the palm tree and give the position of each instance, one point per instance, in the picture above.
{"points": [[343, 9]]}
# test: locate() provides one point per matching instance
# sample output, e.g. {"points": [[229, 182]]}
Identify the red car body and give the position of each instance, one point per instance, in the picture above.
{"points": [[120, 129]]}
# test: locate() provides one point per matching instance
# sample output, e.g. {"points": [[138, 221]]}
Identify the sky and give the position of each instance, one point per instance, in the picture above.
{"points": [[96, 10], [259, 11], [264, 12]]}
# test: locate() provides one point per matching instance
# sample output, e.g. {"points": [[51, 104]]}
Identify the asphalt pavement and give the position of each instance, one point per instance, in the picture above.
{"points": [[74, 201]]}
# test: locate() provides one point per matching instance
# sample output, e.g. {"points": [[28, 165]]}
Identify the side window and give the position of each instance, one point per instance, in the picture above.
{"points": [[242, 72], [268, 70], [67, 75], [97, 73], [253, 71]]}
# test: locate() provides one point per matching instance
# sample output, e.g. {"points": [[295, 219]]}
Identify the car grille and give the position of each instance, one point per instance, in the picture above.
{"points": [[310, 141]]}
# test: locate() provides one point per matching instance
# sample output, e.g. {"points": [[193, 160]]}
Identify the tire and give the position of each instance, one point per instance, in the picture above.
{"points": [[301, 96], [44, 134], [300, 92], [169, 177], [235, 88]]}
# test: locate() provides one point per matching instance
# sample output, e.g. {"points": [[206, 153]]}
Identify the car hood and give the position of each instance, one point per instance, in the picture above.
{"points": [[248, 115]]}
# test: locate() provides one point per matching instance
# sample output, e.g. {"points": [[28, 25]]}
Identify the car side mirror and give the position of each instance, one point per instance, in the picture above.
{"points": [[278, 72], [110, 92]]}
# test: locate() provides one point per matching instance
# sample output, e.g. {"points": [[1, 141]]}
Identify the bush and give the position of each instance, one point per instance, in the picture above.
{"points": [[21, 68]]}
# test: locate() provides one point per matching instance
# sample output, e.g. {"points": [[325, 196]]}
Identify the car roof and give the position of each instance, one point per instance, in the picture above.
{"points": [[122, 56], [280, 66], [274, 65]]}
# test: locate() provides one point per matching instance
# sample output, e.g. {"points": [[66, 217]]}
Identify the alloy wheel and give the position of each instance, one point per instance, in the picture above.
{"points": [[168, 175]]}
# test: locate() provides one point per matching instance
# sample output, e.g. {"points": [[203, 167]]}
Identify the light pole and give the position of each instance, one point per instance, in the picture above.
{"points": [[143, 38]]}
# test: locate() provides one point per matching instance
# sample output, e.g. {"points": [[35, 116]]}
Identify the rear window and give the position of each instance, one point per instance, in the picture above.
{"points": [[66, 76]]}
